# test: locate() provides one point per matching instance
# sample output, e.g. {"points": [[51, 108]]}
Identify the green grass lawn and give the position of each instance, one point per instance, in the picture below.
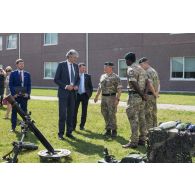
{"points": [[44, 92], [181, 99], [89, 144]]}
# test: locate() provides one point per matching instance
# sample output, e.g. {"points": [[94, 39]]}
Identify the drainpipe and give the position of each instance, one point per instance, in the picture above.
{"points": [[18, 45], [87, 52]]}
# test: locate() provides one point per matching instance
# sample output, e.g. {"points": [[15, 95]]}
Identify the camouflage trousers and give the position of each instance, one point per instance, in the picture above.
{"points": [[108, 110], [151, 112], [136, 115]]}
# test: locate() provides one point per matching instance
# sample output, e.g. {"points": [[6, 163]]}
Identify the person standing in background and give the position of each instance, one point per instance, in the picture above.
{"points": [[2, 80], [20, 88], [67, 79], [152, 94], [111, 88], [8, 71], [136, 85], [83, 94]]}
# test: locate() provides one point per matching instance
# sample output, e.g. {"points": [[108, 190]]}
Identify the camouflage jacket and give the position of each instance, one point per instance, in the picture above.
{"points": [[110, 83], [137, 74], [153, 77]]}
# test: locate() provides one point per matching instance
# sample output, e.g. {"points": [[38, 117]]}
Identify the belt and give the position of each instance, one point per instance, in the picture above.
{"points": [[150, 93], [132, 92], [109, 94]]}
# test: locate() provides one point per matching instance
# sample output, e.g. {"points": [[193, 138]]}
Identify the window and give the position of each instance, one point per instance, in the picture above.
{"points": [[122, 69], [12, 41], [1, 43], [50, 39], [182, 68], [50, 69]]}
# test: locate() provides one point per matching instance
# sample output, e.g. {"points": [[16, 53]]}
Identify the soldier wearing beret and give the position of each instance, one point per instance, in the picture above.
{"points": [[152, 94], [110, 87], [136, 78]]}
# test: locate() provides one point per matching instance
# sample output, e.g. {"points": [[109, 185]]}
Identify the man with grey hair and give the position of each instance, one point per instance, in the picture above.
{"points": [[67, 79]]}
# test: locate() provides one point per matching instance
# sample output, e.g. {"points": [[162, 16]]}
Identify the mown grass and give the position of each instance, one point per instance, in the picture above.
{"points": [[44, 92], [89, 145], [180, 99]]}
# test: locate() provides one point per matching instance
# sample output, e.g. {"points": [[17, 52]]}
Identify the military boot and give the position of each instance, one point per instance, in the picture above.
{"points": [[114, 133], [130, 145], [141, 143]]}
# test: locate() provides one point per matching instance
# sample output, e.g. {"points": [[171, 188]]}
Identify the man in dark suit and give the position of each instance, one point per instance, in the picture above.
{"points": [[67, 79], [20, 88], [83, 94]]}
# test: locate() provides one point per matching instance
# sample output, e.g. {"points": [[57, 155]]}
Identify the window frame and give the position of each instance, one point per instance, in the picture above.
{"points": [[48, 78], [180, 79], [122, 78], [7, 38], [49, 44], [1, 40]]}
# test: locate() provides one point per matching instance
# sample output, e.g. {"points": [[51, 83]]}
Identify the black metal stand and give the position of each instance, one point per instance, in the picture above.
{"points": [[28, 124], [11, 157]]}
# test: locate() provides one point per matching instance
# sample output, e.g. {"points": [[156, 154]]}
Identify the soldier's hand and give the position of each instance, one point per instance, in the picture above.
{"points": [[157, 95], [144, 97], [95, 99], [117, 101]]}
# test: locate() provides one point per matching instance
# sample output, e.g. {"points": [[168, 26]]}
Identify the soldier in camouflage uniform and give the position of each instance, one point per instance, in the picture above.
{"points": [[110, 86], [136, 78], [152, 94]]}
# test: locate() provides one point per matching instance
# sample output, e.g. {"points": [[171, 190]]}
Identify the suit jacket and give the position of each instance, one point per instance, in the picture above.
{"points": [[14, 81], [62, 78], [88, 85]]}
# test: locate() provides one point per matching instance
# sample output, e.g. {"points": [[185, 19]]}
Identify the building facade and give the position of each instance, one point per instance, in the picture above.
{"points": [[172, 55]]}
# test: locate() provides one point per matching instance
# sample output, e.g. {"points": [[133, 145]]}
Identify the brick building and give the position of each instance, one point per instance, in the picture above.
{"points": [[172, 55]]}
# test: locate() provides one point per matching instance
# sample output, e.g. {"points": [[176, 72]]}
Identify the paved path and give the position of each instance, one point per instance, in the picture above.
{"points": [[123, 104]]}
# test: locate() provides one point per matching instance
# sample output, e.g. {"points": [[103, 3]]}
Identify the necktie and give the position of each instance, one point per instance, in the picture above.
{"points": [[20, 74], [72, 74]]}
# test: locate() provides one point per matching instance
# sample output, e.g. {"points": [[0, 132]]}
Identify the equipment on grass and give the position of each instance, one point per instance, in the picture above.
{"points": [[28, 124]]}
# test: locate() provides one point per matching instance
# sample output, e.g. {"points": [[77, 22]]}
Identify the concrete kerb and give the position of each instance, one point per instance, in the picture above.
{"points": [[123, 104]]}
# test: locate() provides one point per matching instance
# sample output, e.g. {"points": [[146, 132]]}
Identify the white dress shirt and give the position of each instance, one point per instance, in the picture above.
{"points": [[82, 84], [69, 69], [22, 73]]}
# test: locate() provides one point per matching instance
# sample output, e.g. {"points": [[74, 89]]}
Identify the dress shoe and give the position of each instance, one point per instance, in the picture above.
{"points": [[114, 133], [130, 145], [61, 138], [12, 130], [141, 143], [70, 136], [82, 128]]}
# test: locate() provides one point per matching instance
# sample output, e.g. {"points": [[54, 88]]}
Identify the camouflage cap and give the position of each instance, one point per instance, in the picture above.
{"points": [[108, 64], [144, 59]]}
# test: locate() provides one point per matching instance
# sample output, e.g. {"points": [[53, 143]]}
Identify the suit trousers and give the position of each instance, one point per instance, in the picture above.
{"points": [[66, 113], [22, 102], [83, 99]]}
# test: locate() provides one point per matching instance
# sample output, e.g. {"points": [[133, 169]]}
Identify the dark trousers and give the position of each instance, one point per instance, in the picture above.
{"points": [[83, 99], [66, 113], [22, 102], [1, 100]]}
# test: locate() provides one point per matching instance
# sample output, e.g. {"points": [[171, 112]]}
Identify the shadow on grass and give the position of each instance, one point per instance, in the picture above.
{"points": [[91, 134], [30, 137], [85, 147]]}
